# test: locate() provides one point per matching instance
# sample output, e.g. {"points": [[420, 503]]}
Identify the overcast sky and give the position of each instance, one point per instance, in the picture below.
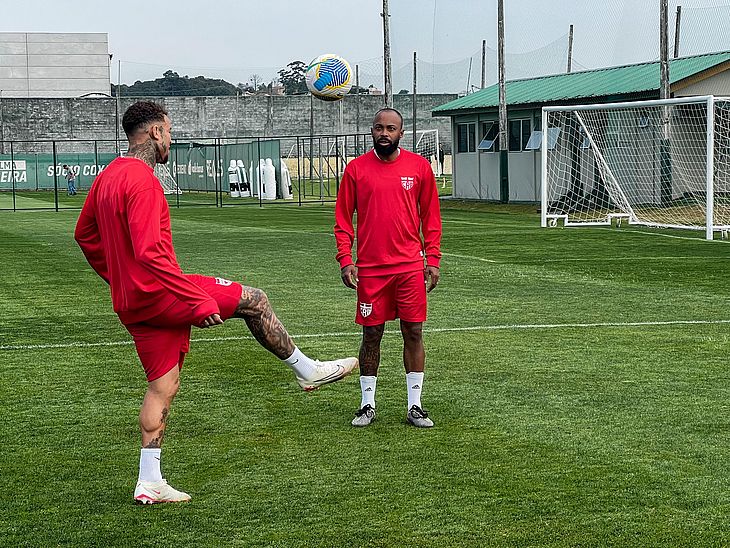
{"points": [[235, 39]]}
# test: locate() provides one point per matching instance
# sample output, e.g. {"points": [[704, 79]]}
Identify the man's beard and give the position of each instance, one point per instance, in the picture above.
{"points": [[162, 155], [386, 150]]}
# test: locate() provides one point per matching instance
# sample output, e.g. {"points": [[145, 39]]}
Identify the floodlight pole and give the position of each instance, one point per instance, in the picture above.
{"points": [[119, 92], [503, 144], [570, 49], [677, 22], [386, 56], [414, 100], [664, 50], [665, 161], [357, 99], [484, 63]]}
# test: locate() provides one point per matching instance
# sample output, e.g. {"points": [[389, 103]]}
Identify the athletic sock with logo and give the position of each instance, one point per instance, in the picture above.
{"points": [[149, 465], [367, 386], [415, 385], [303, 366]]}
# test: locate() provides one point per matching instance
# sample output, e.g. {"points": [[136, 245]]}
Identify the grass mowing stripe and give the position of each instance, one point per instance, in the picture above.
{"points": [[387, 332]]}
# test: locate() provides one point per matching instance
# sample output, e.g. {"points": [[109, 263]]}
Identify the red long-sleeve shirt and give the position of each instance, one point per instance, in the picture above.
{"points": [[395, 202], [124, 232]]}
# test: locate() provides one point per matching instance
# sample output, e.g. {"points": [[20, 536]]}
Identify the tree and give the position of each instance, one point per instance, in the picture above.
{"points": [[293, 78], [172, 83], [255, 81]]}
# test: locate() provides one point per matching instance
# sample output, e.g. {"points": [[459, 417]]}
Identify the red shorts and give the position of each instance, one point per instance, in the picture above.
{"points": [[384, 298], [163, 341]]}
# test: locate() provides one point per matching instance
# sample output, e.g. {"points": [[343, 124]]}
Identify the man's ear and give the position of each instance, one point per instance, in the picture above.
{"points": [[155, 131]]}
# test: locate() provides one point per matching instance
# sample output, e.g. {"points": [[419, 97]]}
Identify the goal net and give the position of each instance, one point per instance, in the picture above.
{"points": [[168, 182], [427, 145], [655, 163]]}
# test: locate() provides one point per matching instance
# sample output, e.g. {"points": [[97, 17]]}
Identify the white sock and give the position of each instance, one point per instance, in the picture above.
{"points": [[367, 386], [415, 385], [303, 366], [149, 465]]}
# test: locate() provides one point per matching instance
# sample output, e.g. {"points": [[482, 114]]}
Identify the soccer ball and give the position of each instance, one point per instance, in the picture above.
{"points": [[329, 77]]}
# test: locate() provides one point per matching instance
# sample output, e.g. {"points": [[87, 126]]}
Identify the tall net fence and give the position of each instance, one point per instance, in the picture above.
{"points": [[447, 36], [655, 163]]}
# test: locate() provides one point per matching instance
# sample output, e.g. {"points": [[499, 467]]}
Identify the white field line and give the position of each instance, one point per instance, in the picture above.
{"points": [[470, 257], [476, 328], [676, 237], [648, 258]]}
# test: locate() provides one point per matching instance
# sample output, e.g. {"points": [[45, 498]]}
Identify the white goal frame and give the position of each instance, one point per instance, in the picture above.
{"points": [[622, 206], [167, 181]]}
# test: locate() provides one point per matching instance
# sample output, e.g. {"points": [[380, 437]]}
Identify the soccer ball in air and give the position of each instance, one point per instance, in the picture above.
{"points": [[329, 77]]}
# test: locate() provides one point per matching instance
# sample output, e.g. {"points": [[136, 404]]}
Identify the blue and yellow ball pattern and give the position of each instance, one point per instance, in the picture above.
{"points": [[329, 77]]}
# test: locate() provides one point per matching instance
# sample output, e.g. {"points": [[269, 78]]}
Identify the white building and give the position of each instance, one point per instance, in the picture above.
{"points": [[44, 64]]}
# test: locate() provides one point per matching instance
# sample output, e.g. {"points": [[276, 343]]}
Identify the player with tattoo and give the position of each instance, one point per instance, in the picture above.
{"points": [[124, 232]]}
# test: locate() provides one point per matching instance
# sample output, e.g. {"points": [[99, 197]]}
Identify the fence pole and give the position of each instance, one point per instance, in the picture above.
{"points": [[12, 172], [55, 175]]}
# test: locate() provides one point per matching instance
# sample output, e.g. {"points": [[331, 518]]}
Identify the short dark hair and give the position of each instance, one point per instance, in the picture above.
{"points": [[142, 113], [389, 109]]}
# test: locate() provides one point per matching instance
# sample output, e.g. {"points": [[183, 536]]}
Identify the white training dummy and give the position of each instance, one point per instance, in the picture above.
{"points": [[253, 180], [233, 180], [285, 184], [260, 181], [269, 171], [245, 188]]}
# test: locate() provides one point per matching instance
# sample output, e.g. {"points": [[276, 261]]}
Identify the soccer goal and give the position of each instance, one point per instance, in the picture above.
{"points": [[168, 182], [427, 145], [659, 163]]}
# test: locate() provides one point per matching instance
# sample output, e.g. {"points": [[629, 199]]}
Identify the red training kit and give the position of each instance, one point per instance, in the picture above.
{"points": [[395, 202], [124, 232]]}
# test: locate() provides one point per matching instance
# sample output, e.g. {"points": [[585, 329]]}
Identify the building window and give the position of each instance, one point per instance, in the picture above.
{"points": [[535, 141], [519, 134], [490, 137], [466, 137]]}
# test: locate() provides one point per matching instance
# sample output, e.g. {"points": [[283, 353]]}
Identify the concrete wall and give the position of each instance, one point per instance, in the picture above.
{"points": [[43, 64], [95, 118]]}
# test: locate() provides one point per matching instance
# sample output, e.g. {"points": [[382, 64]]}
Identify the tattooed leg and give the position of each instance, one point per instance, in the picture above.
{"points": [[156, 408], [255, 309], [370, 349]]}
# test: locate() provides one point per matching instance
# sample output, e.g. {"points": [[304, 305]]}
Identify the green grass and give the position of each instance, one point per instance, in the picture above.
{"points": [[564, 417]]}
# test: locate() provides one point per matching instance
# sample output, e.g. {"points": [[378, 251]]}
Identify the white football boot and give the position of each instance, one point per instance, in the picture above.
{"points": [[419, 417], [364, 416], [328, 372], [152, 492]]}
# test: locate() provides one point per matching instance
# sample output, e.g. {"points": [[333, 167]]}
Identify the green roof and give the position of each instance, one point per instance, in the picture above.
{"points": [[606, 82]]}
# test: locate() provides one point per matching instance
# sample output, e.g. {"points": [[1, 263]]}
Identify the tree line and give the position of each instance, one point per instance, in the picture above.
{"points": [[291, 78]]}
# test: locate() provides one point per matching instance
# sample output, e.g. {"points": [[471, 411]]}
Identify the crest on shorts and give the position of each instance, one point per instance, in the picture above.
{"points": [[407, 182], [223, 282], [366, 309]]}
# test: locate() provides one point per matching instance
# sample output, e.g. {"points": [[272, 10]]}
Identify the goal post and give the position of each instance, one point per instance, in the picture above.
{"points": [[427, 145], [167, 181], [663, 163]]}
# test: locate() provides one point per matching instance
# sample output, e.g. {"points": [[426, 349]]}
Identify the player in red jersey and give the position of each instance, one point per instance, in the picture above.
{"points": [[394, 193], [124, 232]]}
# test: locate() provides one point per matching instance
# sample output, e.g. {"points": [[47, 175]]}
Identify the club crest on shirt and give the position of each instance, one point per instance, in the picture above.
{"points": [[223, 282], [407, 182], [366, 309]]}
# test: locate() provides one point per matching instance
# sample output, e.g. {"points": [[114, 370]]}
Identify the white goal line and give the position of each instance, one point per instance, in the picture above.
{"points": [[476, 328]]}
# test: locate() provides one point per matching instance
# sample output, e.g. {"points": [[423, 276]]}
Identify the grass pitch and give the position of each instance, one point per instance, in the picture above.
{"points": [[578, 379]]}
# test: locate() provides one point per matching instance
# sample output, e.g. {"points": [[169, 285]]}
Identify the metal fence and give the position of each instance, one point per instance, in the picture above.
{"points": [[303, 169]]}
